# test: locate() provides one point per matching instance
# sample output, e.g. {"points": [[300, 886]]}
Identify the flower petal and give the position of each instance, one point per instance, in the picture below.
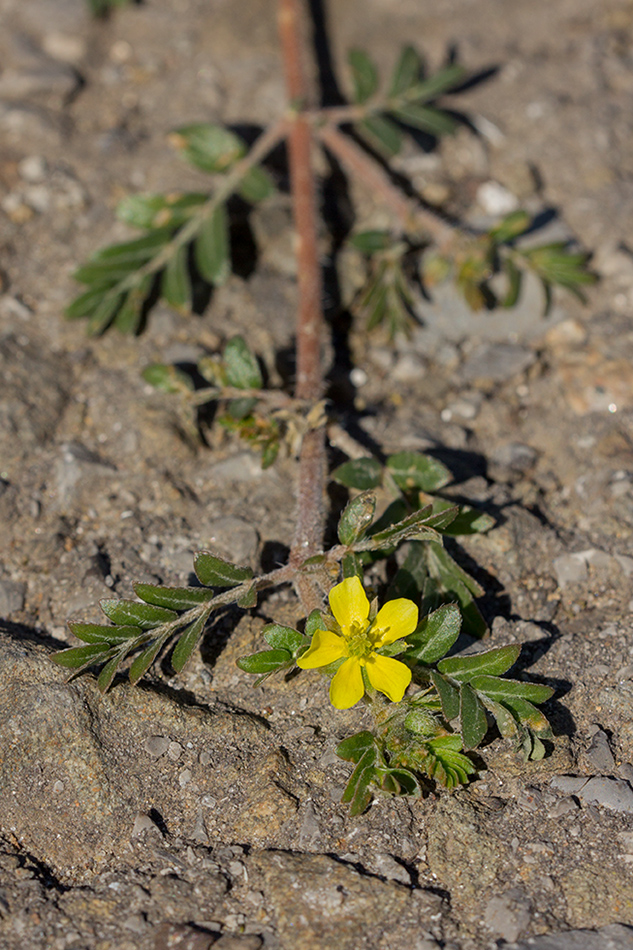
{"points": [[349, 604], [347, 686], [324, 649], [388, 676], [398, 618]]}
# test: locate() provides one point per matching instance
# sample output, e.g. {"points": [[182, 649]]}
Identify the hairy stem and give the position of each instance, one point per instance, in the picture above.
{"points": [[412, 214], [308, 538]]}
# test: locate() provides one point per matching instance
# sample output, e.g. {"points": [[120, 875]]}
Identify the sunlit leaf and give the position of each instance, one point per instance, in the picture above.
{"points": [[413, 470], [406, 72], [356, 518], [425, 118], [211, 247], [210, 147], [174, 598], [145, 616], [472, 717], [361, 473], [187, 642], [256, 185], [364, 74], [381, 133], [169, 379], [213, 571], [242, 368], [265, 662], [175, 284], [435, 635], [491, 662]]}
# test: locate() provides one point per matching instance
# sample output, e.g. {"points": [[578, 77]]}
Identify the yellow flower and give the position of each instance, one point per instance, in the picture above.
{"points": [[359, 642]]}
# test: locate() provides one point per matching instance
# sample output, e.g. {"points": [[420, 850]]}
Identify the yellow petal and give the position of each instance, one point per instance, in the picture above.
{"points": [[324, 649], [398, 618], [349, 603], [388, 676], [347, 685]]}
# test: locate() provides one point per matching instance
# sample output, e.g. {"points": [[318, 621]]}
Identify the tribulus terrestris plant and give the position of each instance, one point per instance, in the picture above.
{"points": [[428, 709]]}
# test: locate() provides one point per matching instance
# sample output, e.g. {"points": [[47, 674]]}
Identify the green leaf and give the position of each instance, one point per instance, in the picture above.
{"points": [[174, 598], [421, 722], [354, 747], [399, 782], [265, 662], [102, 633], [361, 473], [208, 146], [448, 571], [101, 318], [248, 598], [468, 521], [144, 660], [413, 470], [130, 254], [256, 185], [187, 642], [510, 227], [514, 278], [128, 319], [145, 616], [406, 72], [314, 622], [436, 634], [169, 379], [76, 657], [213, 571], [449, 695], [492, 662], [364, 74], [382, 134], [502, 689], [414, 526], [84, 304], [242, 368], [529, 716], [447, 764], [410, 578], [357, 793], [283, 638], [107, 674], [356, 518], [425, 118], [506, 723], [140, 211], [211, 247], [472, 717], [175, 283], [432, 87]]}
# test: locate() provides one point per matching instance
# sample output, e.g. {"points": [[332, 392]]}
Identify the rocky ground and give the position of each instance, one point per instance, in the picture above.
{"points": [[195, 811]]}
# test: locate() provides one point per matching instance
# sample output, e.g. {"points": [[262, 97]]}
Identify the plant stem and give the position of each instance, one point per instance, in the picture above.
{"points": [[308, 538], [412, 214]]}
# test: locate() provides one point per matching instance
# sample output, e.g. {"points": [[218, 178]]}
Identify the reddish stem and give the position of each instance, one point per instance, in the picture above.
{"points": [[308, 539]]}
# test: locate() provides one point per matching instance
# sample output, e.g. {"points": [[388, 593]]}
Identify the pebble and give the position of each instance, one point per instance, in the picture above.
{"points": [[408, 369], [174, 751], [508, 914], [156, 746], [497, 362], [32, 169], [570, 569], [566, 806], [599, 753], [12, 597], [612, 937], [494, 199], [514, 457], [385, 865], [143, 823], [612, 793]]}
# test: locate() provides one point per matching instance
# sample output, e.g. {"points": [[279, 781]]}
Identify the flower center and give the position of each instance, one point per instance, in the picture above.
{"points": [[360, 642]]}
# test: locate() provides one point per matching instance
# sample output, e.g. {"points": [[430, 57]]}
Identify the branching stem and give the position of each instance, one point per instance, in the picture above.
{"points": [[308, 538]]}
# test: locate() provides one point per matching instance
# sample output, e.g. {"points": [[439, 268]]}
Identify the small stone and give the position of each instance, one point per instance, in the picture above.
{"points": [[626, 772], [12, 597], [497, 362], [310, 831], [515, 456], [156, 746], [494, 199], [174, 751], [508, 914], [185, 777], [612, 937], [32, 169], [143, 823], [566, 806], [204, 758], [386, 866], [136, 923], [570, 569], [625, 839], [612, 793], [599, 753], [64, 47], [408, 369], [568, 784], [530, 799]]}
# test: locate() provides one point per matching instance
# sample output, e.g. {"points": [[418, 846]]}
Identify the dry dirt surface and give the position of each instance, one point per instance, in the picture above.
{"points": [[194, 811]]}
